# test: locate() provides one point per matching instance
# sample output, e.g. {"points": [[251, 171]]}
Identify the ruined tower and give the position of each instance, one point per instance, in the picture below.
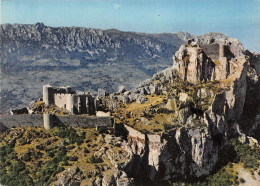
{"points": [[70, 103], [47, 121], [221, 51], [65, 97], [48, 96]]}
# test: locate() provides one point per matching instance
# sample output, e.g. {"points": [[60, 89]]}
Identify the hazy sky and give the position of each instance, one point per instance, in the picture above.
{"points": [[235, 18]]}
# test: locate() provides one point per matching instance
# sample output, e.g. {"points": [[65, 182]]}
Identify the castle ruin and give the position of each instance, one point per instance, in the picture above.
{"points": [[65, 97]]}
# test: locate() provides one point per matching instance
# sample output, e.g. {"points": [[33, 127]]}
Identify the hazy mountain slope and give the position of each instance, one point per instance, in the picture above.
{"points": [[27, 43], [86, 59]]}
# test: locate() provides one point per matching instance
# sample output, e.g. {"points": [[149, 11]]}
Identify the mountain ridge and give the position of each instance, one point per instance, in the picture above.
{"points": [[85, 58]]}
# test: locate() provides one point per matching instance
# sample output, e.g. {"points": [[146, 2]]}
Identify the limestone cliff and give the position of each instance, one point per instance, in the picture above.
{"points": [[226, 78]]}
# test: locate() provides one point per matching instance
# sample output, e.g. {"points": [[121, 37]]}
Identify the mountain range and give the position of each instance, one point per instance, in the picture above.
{"points": [[84, 58]]}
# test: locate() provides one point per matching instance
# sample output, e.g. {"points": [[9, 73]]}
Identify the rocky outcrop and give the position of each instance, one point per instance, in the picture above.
{"points": [[192, 64], [68, 176], [116, 177], [180, 154], [193, 151]]}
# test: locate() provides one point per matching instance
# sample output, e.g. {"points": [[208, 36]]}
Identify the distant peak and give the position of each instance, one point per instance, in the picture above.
{"points": [[39, 24]]}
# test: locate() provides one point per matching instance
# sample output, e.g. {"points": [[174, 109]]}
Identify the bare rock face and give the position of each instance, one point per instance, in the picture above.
{"points": [[116, 177], [183, 153], [192, 152], [220, 59], [201, 63], [68, 176], [192, 64]]}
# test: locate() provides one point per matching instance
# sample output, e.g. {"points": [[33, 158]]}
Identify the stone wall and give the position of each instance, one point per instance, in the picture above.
{"points": [[9, 121], [134, 133], [211, 50], [83, 121], [154, 138], [21, 120], [129, 131], [60, 100]]}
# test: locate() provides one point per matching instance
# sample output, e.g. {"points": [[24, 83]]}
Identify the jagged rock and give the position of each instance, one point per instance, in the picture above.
{"points": [[98, 181], [121, 89], [145, 121], [192, 153], [153, 88], [127, 93], [192, 64], [141, 99], [66, 176], [146, 82], [132, 97], [202, 93], [189, 41], [116, 177], [171, 104], [248, 140], [190, 119], [144, 90], [242, 138], [125, 99], [196, 150], [219, 104], [183, 97], [252, 76], [183, 114]]}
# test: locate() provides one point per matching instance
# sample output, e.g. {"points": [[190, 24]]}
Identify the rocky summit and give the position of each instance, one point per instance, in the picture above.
{"points": [[192, 110], [196, 122]]}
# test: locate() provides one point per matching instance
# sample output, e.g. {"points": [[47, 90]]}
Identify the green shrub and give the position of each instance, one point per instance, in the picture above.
{"points": [[157, 130], [167, 126], [241, 180], [48, 173], [94, 159], [245, 154], [17, 173], [86, 150], [71, 134]]}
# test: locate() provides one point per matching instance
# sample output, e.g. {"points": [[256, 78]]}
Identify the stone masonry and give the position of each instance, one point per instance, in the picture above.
{"points": [[65, 97]]}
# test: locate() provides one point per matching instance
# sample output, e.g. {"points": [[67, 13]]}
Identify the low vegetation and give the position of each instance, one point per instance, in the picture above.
{"points": [[34, 156], [160, 112], [246, 155]]}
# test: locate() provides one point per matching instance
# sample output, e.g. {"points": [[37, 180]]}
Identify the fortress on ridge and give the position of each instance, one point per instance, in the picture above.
{"points": [[65, 97], [216, 51]]}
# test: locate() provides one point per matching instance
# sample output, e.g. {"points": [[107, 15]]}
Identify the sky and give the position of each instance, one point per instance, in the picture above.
{"points": [[235, 18]]}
